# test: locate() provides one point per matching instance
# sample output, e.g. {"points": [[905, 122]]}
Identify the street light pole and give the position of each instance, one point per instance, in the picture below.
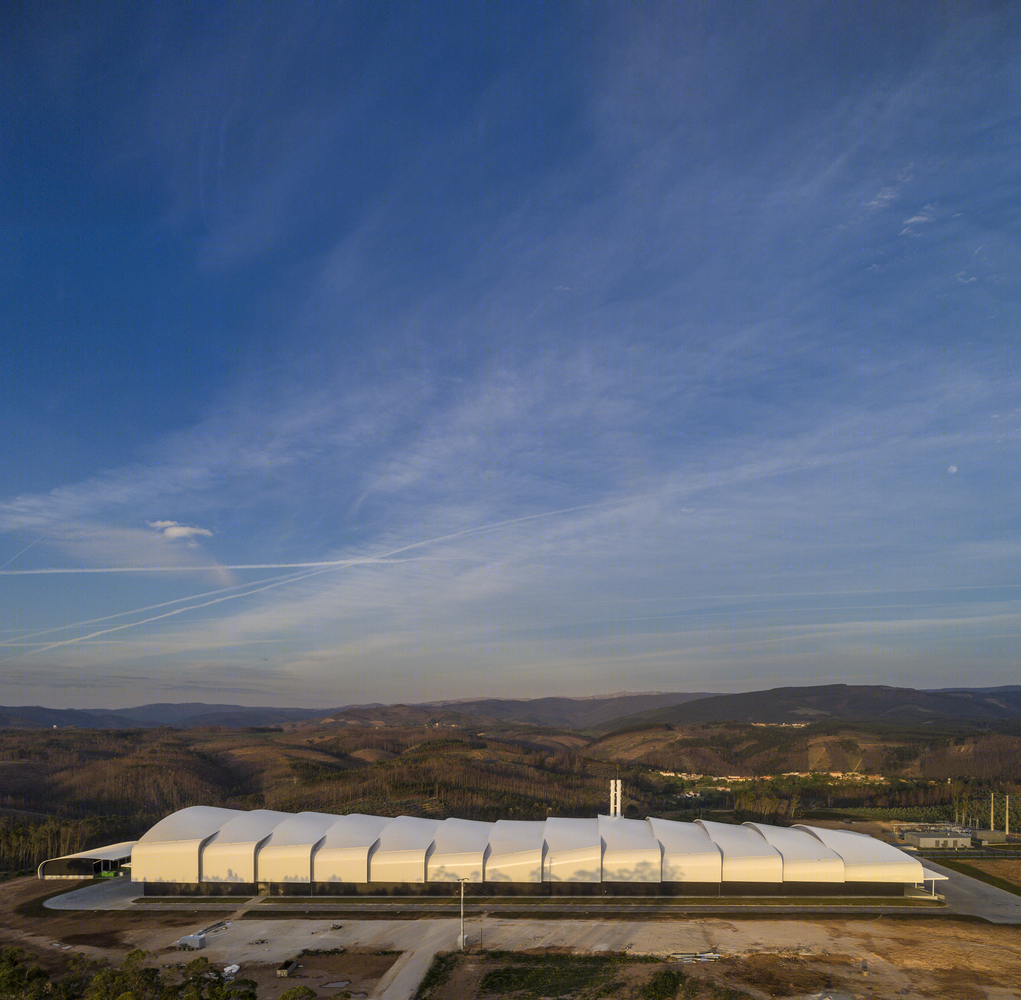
{"points": [[462, 881]]}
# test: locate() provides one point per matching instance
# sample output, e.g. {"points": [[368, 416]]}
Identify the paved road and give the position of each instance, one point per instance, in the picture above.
{"points": [[964, 895], [120, 894], [970, 897], [401, 982]]}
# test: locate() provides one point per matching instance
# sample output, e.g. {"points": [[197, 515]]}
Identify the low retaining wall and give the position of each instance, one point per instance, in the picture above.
{"points": [[475, 890]]}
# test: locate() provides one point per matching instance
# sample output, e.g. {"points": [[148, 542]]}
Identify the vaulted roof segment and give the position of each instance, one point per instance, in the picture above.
{"points": [[805, 858], [630, 851], [747, 857], [689, 855], [573, 851], [343, 853], [229, 855], [516, 849], [402, 849], [287, 855], [169, 851], [459, 851], [204, 844], [867, 859]]}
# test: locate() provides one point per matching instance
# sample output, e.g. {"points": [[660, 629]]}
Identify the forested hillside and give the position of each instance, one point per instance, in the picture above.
{"points": [[65, 790]]}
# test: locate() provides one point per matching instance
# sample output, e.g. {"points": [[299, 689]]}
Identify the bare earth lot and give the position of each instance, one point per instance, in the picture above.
{"points": [[907, 957], [928, 958], [1009, 869], [356, 972]]}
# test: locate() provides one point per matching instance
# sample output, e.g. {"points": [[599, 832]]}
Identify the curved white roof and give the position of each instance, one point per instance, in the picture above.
{"points": [[169, 851], [459, 851], [400, 854], [287, 855], [516, 849], [193, 823], [867, 859], [630, 852], [573, 851], [343, 855], [112, 852], [688, 853], [746, 855], [805, 859], [203, 844], [229, 855]]}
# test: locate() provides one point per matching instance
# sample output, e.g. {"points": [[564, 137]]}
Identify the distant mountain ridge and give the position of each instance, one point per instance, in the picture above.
{"points": [[818, 703], [183, 716], [567, 713], [857, 703], [570, 713]]}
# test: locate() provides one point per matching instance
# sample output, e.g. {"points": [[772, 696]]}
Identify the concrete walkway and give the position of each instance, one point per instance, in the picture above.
{"points": [[109, 894], [970, 897], [401, 982]]}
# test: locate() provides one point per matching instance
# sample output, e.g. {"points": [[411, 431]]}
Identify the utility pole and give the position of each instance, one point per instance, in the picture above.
{"points": [[992, 820]]}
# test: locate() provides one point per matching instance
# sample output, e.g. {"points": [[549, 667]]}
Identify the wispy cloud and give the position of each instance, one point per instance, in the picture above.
{"points": [[521, 363], [172, 529]]}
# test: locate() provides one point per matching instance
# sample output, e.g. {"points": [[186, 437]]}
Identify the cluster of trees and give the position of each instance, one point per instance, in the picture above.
{"points": [[25, 841], [991, 757], [67, 790], [755, 805], [454, 785], [133, 980], [936, 751], [790, 799], [121, 771]]}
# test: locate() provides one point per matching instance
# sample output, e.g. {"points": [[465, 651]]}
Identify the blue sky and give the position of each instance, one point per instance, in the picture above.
{"points": [[396, 352]]}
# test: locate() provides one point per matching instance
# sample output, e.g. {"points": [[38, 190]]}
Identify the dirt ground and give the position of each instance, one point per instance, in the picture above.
{"points": [[355, 972], [778, 976], [910, 956], [944, 960], [49, 936], [1009, 869]]}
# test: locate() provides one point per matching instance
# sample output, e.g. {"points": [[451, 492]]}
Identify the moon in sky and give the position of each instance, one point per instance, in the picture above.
{"points": [[952, 469]]}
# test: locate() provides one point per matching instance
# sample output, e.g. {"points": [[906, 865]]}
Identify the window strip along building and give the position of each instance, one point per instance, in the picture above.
{"points": [[212, 851]]}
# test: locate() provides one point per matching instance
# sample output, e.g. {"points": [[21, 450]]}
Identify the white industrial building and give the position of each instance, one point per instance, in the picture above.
{"points": [[204, 850]]}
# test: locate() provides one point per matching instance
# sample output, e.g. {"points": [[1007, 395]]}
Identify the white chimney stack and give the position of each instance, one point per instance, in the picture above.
{"points": [[615, 797]]}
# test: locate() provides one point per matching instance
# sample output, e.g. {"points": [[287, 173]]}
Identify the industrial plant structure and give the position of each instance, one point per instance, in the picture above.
{"points": [[206, 850]]}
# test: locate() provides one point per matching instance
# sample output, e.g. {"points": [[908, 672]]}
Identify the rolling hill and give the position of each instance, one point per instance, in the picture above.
{"points": [[854, 703], [874, 703]]}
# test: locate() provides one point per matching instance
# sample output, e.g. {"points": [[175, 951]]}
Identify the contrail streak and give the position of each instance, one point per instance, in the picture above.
{"points": [[23, 551], [152, 607], [322, 563], [170, 614], [317, 568]]}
